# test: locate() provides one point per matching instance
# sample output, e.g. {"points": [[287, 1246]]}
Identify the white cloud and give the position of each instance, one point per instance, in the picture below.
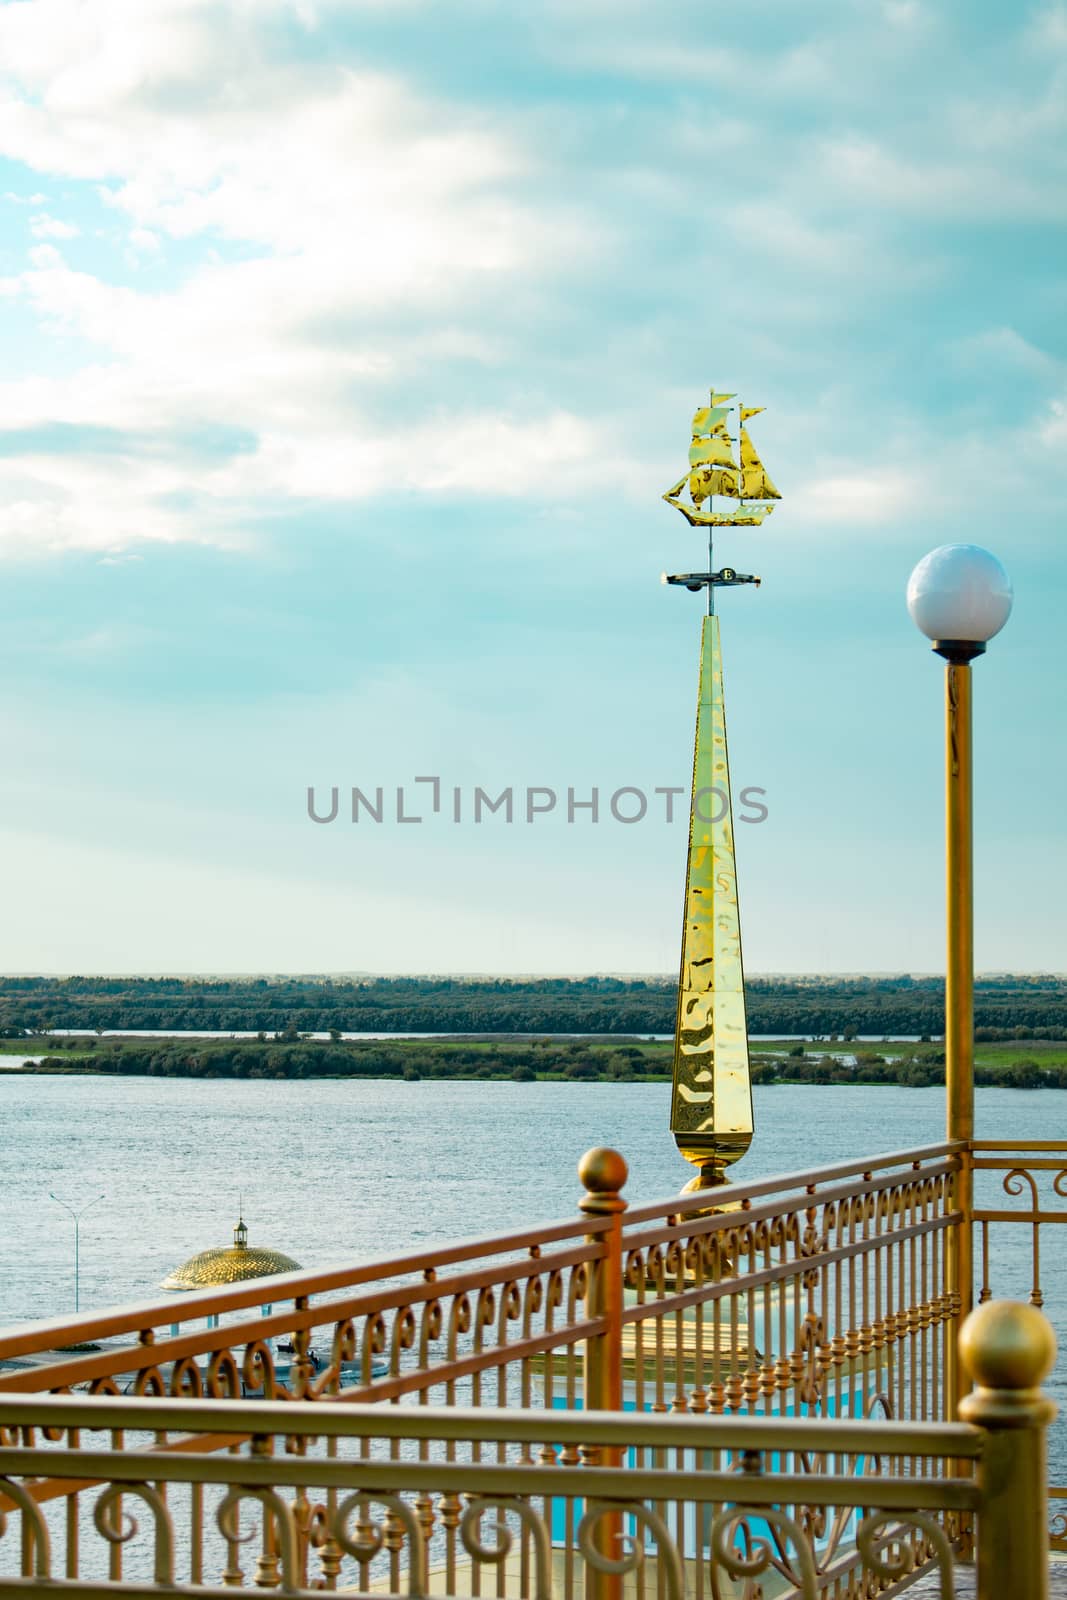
{"points": [[866, 496], [375, 205], [354, 242], [1048, 27], [1004, 349], [966, 185], [43, 226], [1053, 429]]}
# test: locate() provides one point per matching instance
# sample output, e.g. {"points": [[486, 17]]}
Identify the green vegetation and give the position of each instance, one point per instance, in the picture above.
{"points": [[1006, 1008], [527, 1060]]}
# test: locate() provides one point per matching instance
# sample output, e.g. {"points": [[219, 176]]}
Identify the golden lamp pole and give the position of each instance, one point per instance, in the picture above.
{"points": [[959, 596]]}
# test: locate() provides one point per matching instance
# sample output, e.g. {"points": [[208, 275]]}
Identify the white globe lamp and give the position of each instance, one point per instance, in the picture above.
{"points": [[960, 597]]}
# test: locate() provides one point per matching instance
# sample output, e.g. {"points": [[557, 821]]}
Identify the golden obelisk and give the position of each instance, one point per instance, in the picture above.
{"points": [[711, 1103]]}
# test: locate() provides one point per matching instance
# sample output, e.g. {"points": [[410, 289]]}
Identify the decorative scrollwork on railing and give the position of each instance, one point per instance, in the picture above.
{"points": [[342, 1350], [484, 1314], [185, 1380], [33, 1522], [223, 1379], [149, 1382], [106, 1386], [1057, 1531], [283, 1524], [633, 1555], [885, 1551], [577, 1290], [375, 1337], [1014, 1184], [498, 1553], [553, 1297], [811, 1336], [1021, 1176], [764, 1552], [118, 1526], [459, 1323], [370, 1538], [431, 1322], [257, 1369], [510, 1310], [532, 1300]]}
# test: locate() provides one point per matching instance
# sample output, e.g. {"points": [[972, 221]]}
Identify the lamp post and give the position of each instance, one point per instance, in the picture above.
{"points": [[77, 1216], [959, 596]]}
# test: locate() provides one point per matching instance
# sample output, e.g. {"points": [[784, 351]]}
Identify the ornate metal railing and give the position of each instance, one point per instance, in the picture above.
{"points": [[177, 1496], [816, 1293], [793, 1338], [1035, 1174], [195, 1497], [1032, 1174]]}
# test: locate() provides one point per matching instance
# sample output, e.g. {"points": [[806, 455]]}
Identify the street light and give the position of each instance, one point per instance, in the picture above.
{"points": [[960, 597], [77, 1215]]}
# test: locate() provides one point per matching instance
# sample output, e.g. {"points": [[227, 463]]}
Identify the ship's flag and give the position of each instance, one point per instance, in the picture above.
{"points": [[751, 411], [717, 399]]}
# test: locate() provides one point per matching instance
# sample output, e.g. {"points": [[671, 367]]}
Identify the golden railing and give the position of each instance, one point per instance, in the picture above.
{"points": [[821, 1290], [197, 1497], [809, 1306], [1032, 1173]]}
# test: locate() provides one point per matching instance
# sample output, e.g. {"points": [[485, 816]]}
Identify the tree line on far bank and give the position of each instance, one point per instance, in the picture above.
{"points": [[1006, 1007], [415, 1060]]}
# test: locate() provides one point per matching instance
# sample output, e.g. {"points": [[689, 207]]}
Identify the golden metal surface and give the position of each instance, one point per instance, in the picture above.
{"points": [[229, 1265], [1009, 1348], [755, 483], [1008, 1345], [243, 1483], [959, 985], [746, 481], [711, 1107], [812, 1316]]}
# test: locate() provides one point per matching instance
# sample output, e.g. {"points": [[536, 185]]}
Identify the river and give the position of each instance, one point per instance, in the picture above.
{"points": [[343, 1170]]}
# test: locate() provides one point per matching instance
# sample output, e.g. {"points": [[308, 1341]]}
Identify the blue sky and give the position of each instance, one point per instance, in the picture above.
{"points": [[347, 351]]}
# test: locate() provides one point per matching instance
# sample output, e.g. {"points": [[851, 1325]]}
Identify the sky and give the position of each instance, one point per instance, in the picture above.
{"points": [[347, 351]]}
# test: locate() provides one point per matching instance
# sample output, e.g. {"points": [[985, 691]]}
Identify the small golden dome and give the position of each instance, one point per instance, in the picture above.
{"points": [[212, 1268]]}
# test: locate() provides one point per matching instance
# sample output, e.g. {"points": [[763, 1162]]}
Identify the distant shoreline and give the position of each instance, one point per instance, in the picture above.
{"points": [[1023, 1064]]}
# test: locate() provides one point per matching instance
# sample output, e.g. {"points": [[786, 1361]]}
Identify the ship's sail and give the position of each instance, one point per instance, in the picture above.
{"points": [[711, 452], [710, 480], [755, 482], [710, 419]]}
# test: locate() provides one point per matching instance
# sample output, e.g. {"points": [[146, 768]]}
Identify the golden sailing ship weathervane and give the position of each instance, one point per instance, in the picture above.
{"points": [[711, 1102]]}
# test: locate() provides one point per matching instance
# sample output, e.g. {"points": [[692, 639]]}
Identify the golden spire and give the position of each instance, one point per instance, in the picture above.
{"points": [[711, 1102]]}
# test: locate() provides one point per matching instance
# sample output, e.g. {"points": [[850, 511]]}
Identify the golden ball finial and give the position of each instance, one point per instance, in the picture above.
{"points": [[1007, 1345], [603, 1173]]}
